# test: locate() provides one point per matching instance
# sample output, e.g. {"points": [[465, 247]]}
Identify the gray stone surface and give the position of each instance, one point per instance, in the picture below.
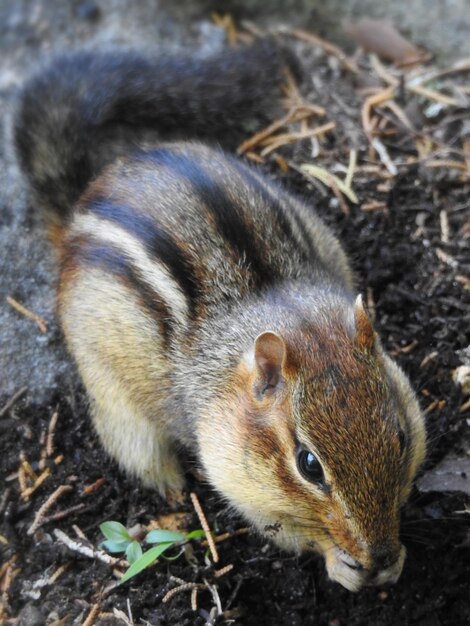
{"points": [[452, 474], [31, 29], [29, 32], [442, 26]]}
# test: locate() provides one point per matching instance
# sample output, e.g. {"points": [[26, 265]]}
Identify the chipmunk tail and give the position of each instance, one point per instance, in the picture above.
{"points": [[86, 108]]}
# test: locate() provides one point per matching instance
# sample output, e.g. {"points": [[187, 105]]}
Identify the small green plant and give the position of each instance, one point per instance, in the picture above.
{"points": [[120, 540]]}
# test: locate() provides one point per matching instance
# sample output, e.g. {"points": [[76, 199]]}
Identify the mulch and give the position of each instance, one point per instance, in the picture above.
{"points": [[383, 153]]}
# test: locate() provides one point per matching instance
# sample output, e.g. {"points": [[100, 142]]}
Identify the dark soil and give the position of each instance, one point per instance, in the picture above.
{"points": [[418, 298]]}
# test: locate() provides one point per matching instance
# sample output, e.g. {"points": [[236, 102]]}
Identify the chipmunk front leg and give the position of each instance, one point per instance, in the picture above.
{"points": [[121, 359], [139, 446]]}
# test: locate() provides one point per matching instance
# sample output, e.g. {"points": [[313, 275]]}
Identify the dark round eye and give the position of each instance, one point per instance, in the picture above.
{"points": [[401, 440], [309, 466]]}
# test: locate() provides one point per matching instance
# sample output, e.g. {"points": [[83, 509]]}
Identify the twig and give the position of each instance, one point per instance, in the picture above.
{"points": [[460, 66], [183, 587], [51, 433], [8, 575], [51, 500], [194, 599], [15, 397], [26, 493], [428, 358], [27, 467], [447, 163], [224, 570], [446, 258], [341, 201], [463, 280], [328, 47], [225, 536], [205, 526], [281, 162], [400, 114], [255, 139], [329, 180], [466, 147], [215, 596], [4, 500], [93, 487], [430, 94], [373, 205], [65, 513], [275, 142], [254, 157], [370, 303], [405, 349], [84, 550], [414, 85], [382, 71], [351, 168], [22, 482], [384, 156], [227, 23], [371, 102], [58, 573], [5, 566], [444, 222], [465, 406], [90, 618], [41, 323], [120, 615], [431, 407], [79, 532], [129, 611]]}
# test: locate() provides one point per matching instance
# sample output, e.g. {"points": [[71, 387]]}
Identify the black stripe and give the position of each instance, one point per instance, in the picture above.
{"points": [[96, 254], [157, 242], [263, 190], [227, 214], [306, 237], [267, 190]]}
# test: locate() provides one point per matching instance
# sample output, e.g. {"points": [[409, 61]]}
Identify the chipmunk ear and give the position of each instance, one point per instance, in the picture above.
{"points": [[270, 353], [364, 337]]}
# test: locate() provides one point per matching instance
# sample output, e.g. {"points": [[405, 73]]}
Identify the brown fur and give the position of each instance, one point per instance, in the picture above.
{"points": [[208, 309]]}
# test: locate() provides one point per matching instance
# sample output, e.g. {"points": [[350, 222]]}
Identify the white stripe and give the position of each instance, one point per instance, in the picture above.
{"points": [[151, 271]]}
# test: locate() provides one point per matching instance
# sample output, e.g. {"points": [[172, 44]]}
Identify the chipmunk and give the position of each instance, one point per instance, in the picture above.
{"points": [[211, 311]]}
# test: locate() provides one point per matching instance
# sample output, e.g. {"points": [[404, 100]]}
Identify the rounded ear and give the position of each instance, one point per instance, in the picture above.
{"points": [[270, 353], [364, 335]]}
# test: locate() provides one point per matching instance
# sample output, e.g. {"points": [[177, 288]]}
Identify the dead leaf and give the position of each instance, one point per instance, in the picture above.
{"points": [[171, 521], [381, 37]]}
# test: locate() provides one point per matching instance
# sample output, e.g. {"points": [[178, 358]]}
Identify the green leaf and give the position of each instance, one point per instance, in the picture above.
{"points": [[115, 546], [133, 552], [145, 560], [173, 558], [196, 534], [115, 531], [163, 536]]}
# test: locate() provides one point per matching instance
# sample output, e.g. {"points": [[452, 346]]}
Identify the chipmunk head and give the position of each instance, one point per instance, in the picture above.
{"points": [[318, 445]]}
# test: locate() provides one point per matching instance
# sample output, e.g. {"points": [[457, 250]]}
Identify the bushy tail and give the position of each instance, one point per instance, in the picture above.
{"points": [[87, 107]]}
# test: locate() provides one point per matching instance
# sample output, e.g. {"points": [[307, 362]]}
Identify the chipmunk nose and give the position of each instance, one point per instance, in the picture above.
{"points": [[384, 557]]}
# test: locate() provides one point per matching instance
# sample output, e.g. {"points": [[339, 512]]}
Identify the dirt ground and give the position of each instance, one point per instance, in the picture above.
{"points": [[408, 236]]}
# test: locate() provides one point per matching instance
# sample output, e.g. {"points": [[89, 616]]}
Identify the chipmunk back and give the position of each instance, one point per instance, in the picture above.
{"points": [[209, 310]]}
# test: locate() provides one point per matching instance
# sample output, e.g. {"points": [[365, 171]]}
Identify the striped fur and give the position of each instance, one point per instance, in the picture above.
{"points": [[176, 261]]}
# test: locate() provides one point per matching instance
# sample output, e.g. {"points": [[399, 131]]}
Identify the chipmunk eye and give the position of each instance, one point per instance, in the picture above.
{"points": [[309, 466]]}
